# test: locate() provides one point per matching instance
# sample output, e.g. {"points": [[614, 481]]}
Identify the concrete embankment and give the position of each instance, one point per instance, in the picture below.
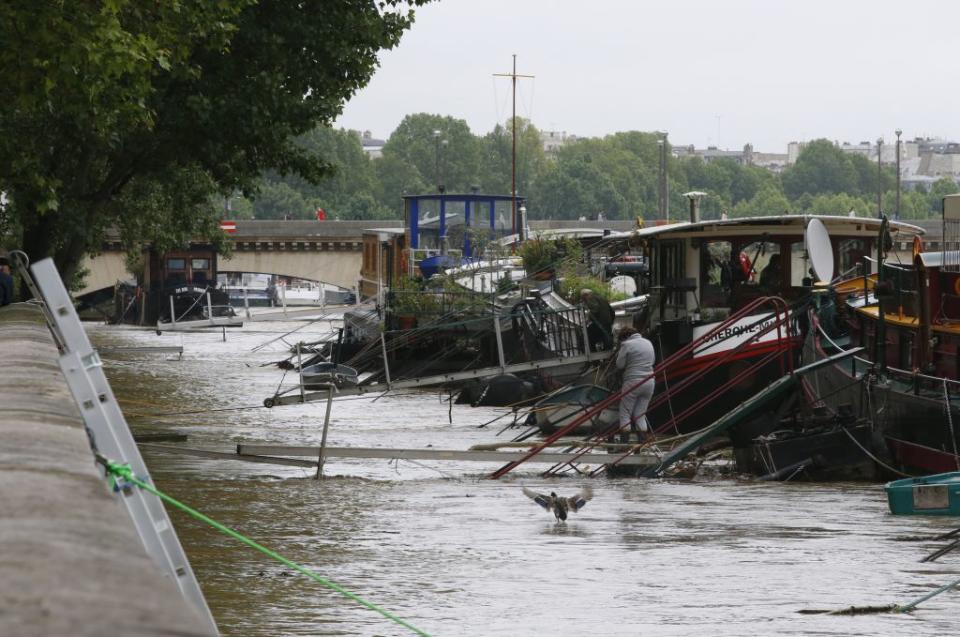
{"points": [[70, 560]]}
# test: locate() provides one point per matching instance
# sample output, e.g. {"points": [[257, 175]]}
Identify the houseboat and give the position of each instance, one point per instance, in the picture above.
{"points": [[750, 277], [905, 314]]}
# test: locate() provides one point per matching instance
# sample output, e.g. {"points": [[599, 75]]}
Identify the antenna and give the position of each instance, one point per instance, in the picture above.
{"points": [[513, 169]]}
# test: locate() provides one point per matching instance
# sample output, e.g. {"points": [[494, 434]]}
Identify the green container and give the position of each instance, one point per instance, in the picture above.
{"points": [[931, 495]]}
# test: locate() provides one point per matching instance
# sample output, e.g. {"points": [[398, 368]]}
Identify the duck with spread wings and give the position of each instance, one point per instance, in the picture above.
{"points": [[560, 505]]}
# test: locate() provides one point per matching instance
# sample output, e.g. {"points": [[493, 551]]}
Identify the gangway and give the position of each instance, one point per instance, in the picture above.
{"points": [[565, 331], [699, 345]]}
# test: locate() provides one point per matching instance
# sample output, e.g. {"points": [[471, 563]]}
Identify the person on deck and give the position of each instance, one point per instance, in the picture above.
{"points": [[6, 282], [770, 277], [600, 330], [635, 360]]}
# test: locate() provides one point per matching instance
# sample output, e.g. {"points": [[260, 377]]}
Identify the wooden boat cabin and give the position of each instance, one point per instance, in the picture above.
{"points": [[384, 258], [178, 273], [703, 271]]}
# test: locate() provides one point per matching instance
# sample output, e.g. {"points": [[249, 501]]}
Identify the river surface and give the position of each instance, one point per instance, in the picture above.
{"points": [[455, 554]]}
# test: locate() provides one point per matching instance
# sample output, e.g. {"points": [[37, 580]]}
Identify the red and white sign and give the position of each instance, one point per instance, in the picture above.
{"points": [[228, 226], [737, 333]]}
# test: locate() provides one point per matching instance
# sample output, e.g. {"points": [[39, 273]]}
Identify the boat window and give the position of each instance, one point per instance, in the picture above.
{"points": [[851, 252], [799, 264], [503, 218], [760, 265], [454, 219], [200, 264], [428, 224], [670, 273], [176, 264], [715, 274]]}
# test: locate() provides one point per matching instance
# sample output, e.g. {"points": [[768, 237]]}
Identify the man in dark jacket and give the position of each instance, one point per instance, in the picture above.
{"points": [[6, 282], [600, 330]]}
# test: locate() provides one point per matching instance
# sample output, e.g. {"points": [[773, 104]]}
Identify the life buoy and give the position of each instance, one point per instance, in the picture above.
{"points": [[917, 246], [956, 286]]}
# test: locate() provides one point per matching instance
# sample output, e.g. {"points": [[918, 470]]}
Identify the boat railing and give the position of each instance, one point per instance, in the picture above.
{"points": [[916, 380], [780, 325], [913, 378], [459, 345]]}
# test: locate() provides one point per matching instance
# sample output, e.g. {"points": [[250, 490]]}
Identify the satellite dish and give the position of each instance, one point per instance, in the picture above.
{"points": [[623, 285], [819, 249]]}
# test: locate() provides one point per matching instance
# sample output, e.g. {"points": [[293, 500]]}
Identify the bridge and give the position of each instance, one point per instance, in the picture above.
{"points": [[329, 251], [326, 251]]}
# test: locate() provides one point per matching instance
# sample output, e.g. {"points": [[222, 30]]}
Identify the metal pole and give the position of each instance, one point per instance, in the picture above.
{"points": [[173, 314], [879, 178], [283, 298], [323, 438], [246, 302], [513, 161], [496, 331], [586, 334], [210, 309], [300, 370], [896, 212], [660, 170], [386, 364]]}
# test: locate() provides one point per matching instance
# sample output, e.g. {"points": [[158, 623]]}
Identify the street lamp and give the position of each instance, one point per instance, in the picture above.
{"points": [[896, 214], [436, 157], [879, 177]]}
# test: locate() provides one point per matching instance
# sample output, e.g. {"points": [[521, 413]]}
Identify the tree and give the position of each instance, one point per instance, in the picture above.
{"points": [[132, 114], [278, 200], [496, 158], [768, 201], [442, 149], [351, 172], [938, 190], [821, 168], [574, 186]]}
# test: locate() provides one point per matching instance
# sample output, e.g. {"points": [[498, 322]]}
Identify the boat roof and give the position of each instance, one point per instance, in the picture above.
{"points": [[937, 258], [781, 224]]}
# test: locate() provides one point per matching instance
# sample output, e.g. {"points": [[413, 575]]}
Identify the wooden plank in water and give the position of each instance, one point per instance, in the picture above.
{"points": [[387, 453], [142, 350], [227, 455]]}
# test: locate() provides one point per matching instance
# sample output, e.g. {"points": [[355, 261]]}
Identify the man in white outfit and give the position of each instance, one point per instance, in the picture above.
{"points": [[635, 359]]}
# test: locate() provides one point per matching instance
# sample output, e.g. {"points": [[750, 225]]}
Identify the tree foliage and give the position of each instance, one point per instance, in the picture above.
{"points": [[125, 113]]}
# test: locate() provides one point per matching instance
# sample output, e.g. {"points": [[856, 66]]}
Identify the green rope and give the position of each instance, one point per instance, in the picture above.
{"points": [[124, 471]]}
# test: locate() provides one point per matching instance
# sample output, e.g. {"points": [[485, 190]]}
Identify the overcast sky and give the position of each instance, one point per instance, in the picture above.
{"points": [[710, 72]]}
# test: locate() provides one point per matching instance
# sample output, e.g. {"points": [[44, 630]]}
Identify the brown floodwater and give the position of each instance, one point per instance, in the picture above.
{"points": [[456, 554]]}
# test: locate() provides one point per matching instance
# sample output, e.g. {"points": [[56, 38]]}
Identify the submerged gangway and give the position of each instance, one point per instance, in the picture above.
{"points": [[781, 346]]}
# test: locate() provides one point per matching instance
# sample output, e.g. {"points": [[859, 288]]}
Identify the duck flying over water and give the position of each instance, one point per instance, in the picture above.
{"points": [[560, 505]]}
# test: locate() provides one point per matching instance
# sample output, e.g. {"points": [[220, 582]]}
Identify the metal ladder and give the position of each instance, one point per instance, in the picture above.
{"points": [[107, 428]]}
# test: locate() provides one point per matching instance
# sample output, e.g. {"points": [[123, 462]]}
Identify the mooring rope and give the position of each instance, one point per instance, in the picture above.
{"points": [[875, 458], [125, 472], [953, 436]]}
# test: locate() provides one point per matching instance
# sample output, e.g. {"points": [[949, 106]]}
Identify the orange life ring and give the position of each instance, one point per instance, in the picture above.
{"points": [[956, 286], [917, 246]]}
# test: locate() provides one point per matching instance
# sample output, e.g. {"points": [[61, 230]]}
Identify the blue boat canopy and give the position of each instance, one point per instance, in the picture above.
{"points": [[453, 224]]}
